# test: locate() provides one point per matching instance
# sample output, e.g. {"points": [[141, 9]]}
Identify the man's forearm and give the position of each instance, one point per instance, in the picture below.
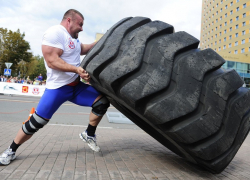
{"points": [[86, 47], [61, 65]]}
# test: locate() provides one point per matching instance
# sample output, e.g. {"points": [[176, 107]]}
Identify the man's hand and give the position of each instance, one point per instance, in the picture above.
{"points": [[83, 74]]}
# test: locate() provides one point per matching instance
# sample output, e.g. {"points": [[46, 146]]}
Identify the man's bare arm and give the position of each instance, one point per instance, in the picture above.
{"points": [[53, 60], [86, 47]]}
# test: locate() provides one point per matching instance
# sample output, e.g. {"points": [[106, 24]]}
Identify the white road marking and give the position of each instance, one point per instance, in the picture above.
{"points": [[78, 126]]}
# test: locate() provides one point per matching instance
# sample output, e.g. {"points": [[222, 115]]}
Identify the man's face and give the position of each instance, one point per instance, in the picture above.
{"points": [[76, 26]]}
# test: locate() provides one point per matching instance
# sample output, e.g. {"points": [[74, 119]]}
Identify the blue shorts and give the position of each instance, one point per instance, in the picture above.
{"points": [[82, 94]]}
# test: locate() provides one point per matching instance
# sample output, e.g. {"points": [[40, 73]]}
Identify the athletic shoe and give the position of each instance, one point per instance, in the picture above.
{"points": [[90, 140], [7, 156]]}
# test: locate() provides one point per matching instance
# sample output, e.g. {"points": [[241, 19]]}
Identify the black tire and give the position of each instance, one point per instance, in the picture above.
{"points": [[175, 92]]}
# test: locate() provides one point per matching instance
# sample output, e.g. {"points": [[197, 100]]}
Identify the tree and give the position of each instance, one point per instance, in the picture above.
{"points": [[13, 49], [35, 67]]}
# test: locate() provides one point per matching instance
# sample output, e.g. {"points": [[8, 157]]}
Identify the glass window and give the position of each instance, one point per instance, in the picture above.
{"points": [[231, 64], [221, 18], [237, 9], [244, 15], [237, 18], [231, 12], [225, 23], [216, 35], [230, 37], [241, 66], [235, 51], [236, 43], [242, 50], [243, 41], [237, 0], [230, 29], [230, 45], [231, 3], [231, 20], [243, 32], [219, 49], [244, 5], [216, 20], [225, 39], [226, 15], [224, 47], [220, 33], [220, 41], [215, 42], [237, 26], [226, 7], [236, 34], [225, 31], [220, 9], [244, 23]]}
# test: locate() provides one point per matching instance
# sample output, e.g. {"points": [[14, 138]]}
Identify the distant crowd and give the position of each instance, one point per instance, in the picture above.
{"points": [[37, 81]]}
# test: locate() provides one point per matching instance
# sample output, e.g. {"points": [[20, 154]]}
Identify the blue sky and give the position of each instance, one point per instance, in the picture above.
{"points": [[33, 17]]}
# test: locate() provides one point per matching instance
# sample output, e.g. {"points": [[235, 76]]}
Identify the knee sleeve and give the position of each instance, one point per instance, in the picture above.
{"points": [[34, 124], [100, 107]]}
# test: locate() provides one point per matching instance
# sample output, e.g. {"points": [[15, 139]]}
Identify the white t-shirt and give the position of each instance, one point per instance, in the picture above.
{"points": [[57, 36]]}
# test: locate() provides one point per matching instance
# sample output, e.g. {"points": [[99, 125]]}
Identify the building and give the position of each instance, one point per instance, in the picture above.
{"points": [[225, 27], [98, 36]]}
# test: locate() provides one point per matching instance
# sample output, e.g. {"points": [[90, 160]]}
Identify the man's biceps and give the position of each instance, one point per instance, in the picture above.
{"points": [[52, 50]]}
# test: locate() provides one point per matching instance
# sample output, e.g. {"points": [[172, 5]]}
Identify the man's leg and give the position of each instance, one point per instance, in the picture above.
{"points": [[48, 104], [94, 120], [21, 137], [86, 95], [99, 108], [24, 134]]}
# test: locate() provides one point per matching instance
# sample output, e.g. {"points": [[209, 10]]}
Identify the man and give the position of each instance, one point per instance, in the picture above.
{"points": [[61, 50]]}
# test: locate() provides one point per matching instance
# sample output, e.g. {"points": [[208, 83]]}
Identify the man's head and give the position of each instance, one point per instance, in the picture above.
{"points": [[73, 22]]}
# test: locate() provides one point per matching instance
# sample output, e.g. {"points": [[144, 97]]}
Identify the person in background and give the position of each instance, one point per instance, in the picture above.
{"points": [[40, 77]]}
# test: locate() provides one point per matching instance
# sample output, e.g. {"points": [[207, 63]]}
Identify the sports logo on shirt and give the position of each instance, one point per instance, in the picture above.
{"points": [[71, 44]]}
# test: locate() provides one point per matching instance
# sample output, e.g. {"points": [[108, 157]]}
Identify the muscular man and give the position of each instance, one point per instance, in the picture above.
{"points": [[61, 49]]}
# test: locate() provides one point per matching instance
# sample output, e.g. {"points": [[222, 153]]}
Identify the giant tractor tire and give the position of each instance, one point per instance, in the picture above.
{"points": [[175, 92]]}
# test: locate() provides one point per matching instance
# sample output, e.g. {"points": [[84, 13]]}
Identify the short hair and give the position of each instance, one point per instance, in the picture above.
{"points": [[71, 13]]}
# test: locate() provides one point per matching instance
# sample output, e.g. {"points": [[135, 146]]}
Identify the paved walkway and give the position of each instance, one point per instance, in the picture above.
{"points": [[56, 152]]}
